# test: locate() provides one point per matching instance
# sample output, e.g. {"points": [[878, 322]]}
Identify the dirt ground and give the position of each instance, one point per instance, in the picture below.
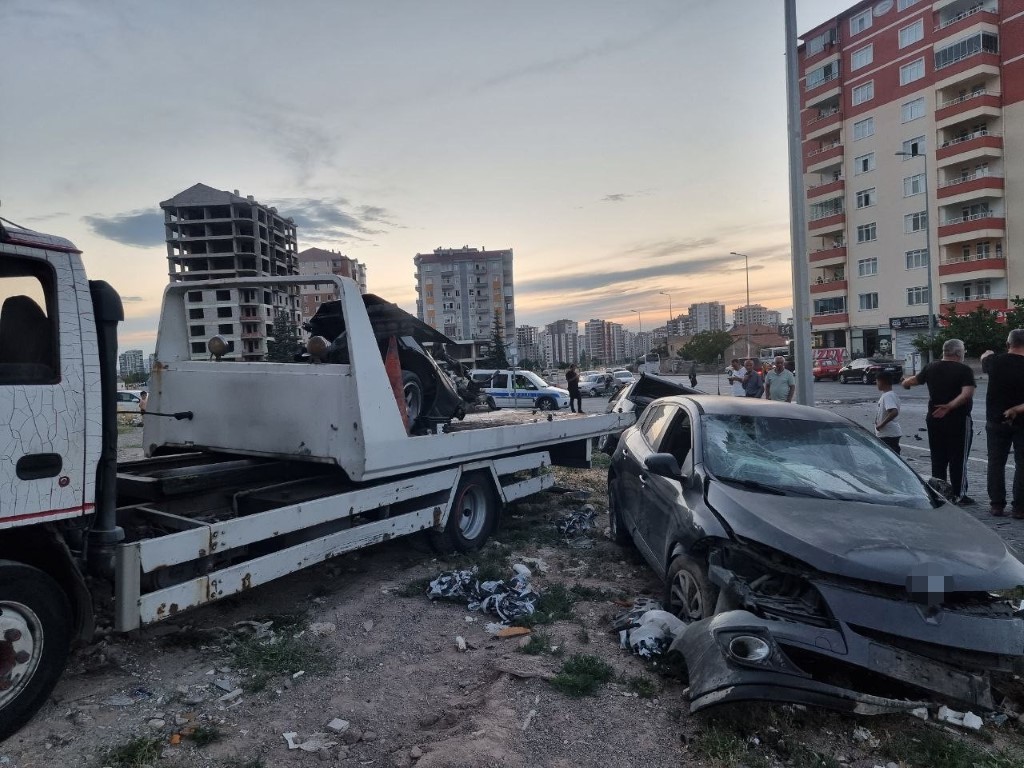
{"points": [[357, 639]]}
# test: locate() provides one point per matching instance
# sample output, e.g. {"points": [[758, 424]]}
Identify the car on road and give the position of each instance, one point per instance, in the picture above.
{"points": [[595, 384], [129, 400], [865, 369], [826, 369], [622, 376], [810, 563], [520, 389]]}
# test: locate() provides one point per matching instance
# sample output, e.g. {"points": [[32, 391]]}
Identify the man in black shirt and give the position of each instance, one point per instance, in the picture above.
{"points": [[950, 397], [1003, 427]]}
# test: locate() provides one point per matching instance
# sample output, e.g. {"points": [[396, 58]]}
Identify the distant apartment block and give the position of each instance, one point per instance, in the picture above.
{"points": [[755, 314], [912, 121], [460, 290], [131, 363], [605, 341], [215, 235], [562, 342], [317, 261], [528, 343], [707, 316], [681, 325]]}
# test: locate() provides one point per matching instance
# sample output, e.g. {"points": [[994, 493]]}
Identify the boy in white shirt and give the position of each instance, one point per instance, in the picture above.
{"points": [[887, 428], [735, 373]]}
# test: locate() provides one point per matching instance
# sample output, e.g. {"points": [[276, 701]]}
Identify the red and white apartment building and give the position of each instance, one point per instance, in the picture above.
{"points": [[941, 82]]}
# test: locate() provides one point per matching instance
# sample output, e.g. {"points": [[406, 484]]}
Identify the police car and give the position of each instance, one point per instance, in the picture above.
{"points": [[520, 389]]}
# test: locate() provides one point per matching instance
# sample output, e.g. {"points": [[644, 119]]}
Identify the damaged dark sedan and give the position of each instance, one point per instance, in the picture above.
{"points": [[811, 564]]}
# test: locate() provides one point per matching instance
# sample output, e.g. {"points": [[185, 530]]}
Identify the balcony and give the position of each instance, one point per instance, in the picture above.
{"points": [[970, 146], [828, 257], [827, 225], [960, 20], [829, 320], [822, 122], [974, 267], [828, 188], [970, 106], [829, 286], [973, 227], [964, 188], [823, 157], [964, 305]]}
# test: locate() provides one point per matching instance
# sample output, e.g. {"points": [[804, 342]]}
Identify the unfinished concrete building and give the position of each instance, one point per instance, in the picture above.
{"points": [[214, 235]]}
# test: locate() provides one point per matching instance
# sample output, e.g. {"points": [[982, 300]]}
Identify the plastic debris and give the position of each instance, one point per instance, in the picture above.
{"points": [[506, 632], [231, 695], [921, 713], [338, 725], [529, 719], [508, 600], [460, 643], [576, 524], [315, 742], [646, 629], [961, 719]]}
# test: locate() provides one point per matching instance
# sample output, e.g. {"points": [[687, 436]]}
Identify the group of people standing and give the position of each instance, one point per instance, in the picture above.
{"points": [[778, 383]]}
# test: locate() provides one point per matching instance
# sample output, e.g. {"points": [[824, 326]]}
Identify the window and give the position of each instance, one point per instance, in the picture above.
{"points": [[913, 185], [917, 295], [198, 347], [912, 110], [912, 147], [830, 306], [822, 74], [961, 49], [912, 33], [862, 58], [866, 301], [195, 296], [827, 208], [983, 249], [864, 92], [917, 259], [226, 311], [915, 222], [860, 22], [28, 333], [902, 5], [864, 163], [866, 232], [654, 428], [197, 330], [866, 197], [223, 295], [817, 44], [912, 71], [867, 267], [864, 128], [195, 314]]}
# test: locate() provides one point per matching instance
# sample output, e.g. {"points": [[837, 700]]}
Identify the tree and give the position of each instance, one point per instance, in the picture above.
{"points": [[706, 346], [978, 330], [285, 344], [498, 357]]}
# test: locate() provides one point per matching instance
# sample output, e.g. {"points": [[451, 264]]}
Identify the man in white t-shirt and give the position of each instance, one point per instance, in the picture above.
{"points": [[736, 372], [887, 428]]}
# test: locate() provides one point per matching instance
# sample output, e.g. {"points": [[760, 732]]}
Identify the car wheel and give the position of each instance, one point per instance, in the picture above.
{"points": [[473, 515], [35, 640], [688, 593], [869, 380], [491, 405], [842, 379], [547, 404], [412, 388], [593, 393], [616, 530]]}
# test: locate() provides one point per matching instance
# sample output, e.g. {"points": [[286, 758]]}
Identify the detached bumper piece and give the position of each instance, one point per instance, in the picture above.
{"points": [[737, 656]]}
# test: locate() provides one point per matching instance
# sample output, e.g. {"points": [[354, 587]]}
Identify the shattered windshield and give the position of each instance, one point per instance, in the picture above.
{"points": [[801, 457]]}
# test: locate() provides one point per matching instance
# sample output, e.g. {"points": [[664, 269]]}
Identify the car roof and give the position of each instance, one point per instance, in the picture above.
{"points": [[727, 405]]}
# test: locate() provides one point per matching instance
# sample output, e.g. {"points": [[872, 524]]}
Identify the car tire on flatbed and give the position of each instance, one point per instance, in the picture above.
{"points": [[35, 640], [473, 516], [688, 592]]}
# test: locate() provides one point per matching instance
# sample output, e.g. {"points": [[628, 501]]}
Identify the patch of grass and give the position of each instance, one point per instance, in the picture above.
{"points": [[805, 757], [643, 687], [929, 748], [204, 735], [519, 528], [723, 745], [541, 643], [280, 655], [600, 460], [582, 675], [137, 753], [415, 588], [493, 562], [555, 604], [594, 594]]}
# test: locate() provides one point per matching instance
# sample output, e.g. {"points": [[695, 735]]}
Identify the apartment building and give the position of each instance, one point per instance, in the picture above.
{"points": [[707, 316], [911, 120], [130, 363], [528, 343], [318, 261], [460, 290], [755, 314], [214, 235]]}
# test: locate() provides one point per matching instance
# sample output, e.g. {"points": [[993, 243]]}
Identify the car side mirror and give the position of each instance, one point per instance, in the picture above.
{"points": [[664, 464]]}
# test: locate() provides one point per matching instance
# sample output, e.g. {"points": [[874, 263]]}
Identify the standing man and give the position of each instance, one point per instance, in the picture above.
{"points": [[572, 383], [735, 374], [950, 397], [780, 383], [693, 374], [753, 384], [887, 428], [1004, 428]]}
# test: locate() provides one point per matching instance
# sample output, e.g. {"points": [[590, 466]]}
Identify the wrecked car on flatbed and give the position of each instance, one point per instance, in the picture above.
{"points": [[812, 564]]}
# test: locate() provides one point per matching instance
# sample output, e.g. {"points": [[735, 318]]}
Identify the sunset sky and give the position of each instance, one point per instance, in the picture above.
{"points": [[620, 149]]}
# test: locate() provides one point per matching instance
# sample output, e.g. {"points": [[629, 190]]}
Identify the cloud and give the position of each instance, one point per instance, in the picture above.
{"points": [[132, 298], [334, 218], [143, 228], [661, 248], [614, 278], [617, 197], [46, 216]]}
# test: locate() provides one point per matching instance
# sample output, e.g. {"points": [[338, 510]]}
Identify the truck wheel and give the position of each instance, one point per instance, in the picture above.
{"points": [[412, 388], [35, 639], [473, 515], [688, 592], [547, 404]]}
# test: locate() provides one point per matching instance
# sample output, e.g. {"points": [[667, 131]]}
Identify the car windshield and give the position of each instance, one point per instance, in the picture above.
{"points": [[809, 458]]}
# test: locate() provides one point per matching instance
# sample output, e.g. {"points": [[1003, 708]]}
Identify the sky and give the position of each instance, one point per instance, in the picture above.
{"points": [[622, 150]]}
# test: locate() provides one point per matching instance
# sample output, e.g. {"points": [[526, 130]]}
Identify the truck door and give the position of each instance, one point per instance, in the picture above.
{"points": [[42, 393]]}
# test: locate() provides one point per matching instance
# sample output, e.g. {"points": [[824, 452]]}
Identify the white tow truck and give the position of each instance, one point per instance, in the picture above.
{"points": [[254, 469]]}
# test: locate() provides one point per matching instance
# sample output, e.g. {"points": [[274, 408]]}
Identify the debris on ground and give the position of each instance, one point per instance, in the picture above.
{"points": [[576, 524], [314, 743], [962, 719], [646, 629], [508, 600]]}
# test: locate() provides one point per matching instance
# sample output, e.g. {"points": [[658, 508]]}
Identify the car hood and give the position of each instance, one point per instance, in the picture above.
{"points": [[872, 542]]}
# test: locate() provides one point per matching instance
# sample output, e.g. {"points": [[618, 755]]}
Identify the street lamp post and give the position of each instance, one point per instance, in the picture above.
{"points": [[746, 268], [639, 321], [670, 316], [927, 240]]}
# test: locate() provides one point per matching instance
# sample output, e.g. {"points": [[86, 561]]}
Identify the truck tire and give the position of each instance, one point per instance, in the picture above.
{"points": [[412, 388], [473, 516], [35, 639]]}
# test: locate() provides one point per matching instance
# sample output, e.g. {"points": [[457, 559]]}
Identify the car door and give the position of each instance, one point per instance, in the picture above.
{"points": [[524, 391], [639, 444], [499, 390], [662, 497]]}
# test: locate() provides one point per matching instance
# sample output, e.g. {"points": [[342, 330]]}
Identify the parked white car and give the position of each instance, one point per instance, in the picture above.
{"points": [[521, 389], [623, 376], [129, 400]]}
